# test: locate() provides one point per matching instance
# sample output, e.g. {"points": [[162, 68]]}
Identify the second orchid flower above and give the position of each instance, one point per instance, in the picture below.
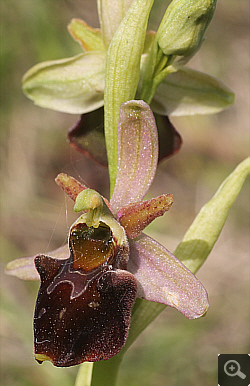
{"points": [[122, 61]]}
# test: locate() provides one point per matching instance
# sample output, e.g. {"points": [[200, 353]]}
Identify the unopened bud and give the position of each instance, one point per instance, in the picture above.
{"points": [[183, 26]]}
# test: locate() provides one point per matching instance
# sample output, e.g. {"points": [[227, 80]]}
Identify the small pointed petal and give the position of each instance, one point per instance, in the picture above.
{"points": [[89, 38], [137, 153], [25, 269], [135, 217], [72, 187], [189, 92], [87, 136], [69, 185], [74, 85], [111, 13], [164, 279]]}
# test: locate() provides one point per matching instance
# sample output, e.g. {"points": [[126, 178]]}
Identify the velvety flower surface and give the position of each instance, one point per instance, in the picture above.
{"points": [[88, 287]]}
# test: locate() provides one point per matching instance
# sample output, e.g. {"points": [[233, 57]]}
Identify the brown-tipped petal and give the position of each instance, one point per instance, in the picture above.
{"points": [[135, 217], [72, 187], [163, 278], [89, 38], [69, 185], [25, 269]]}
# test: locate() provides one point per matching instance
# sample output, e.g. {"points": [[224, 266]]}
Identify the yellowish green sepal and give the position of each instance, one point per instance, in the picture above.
{"points": [[73, 85]]}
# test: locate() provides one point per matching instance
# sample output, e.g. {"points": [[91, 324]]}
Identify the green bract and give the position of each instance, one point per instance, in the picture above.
{"points": [[207, 226], [123, 73]]}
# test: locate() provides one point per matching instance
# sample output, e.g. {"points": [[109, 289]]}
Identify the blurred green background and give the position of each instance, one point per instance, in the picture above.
{"points": [[35, 214]]}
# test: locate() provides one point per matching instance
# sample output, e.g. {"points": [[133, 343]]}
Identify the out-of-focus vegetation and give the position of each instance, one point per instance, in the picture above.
{"points": [[35, 214]]}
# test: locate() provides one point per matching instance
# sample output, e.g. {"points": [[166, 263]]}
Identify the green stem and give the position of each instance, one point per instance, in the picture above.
{"points": [[84, 374], [105, 373], [150, 86], [157, 67]]}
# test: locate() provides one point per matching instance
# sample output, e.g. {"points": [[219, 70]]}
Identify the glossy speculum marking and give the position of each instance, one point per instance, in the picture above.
{"points": [[84, 302]]}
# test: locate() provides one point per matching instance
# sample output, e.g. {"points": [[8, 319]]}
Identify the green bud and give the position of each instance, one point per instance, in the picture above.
{"points": [[183, 26]]}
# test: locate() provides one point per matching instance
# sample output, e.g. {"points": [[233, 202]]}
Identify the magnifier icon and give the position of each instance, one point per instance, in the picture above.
{"points": [[232, 368]]}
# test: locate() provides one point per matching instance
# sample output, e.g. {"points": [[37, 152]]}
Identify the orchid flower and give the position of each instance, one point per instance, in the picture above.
{"points": [[88, 287], [76, 85]]}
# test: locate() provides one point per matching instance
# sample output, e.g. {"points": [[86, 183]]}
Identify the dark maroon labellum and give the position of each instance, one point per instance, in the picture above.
{"points": [[84, 302], [169, 139], [87, 136]]}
